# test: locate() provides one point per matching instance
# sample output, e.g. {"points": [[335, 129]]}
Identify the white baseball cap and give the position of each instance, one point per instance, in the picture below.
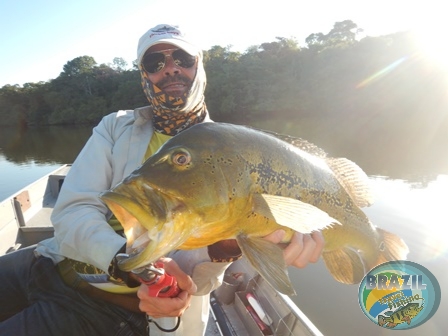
{"points": [[165, 33]]}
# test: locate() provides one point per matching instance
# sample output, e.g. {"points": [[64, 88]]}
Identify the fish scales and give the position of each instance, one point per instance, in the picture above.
{"points": [[313, 183]]}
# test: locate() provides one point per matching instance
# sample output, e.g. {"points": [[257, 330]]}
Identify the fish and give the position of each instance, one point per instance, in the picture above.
{"points": [[217, 181], [403, 314]]}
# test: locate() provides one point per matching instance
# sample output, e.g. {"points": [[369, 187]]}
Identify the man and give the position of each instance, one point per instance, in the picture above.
{"points": [[53, 289]]}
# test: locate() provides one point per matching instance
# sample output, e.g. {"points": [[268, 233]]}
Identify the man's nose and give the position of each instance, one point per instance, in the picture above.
{"points": [[170, 67]]}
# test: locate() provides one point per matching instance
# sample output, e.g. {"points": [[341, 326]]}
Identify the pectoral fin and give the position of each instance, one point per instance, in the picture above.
{"points": [[267, 259], [297, 215]]}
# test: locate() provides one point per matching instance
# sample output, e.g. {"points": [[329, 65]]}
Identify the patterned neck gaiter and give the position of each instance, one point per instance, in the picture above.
{"points": [[172, 115]]}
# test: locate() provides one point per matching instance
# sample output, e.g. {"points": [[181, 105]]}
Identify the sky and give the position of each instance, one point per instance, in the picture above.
{"points": [[37, 37]]}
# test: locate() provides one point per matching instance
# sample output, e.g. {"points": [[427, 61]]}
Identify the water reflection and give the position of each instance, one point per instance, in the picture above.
{"points": [[55, 144], [421, 211], [28, 154], [417, 159], [392, 156]]}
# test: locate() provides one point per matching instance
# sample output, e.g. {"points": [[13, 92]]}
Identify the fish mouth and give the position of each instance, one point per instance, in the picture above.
{"points": [[147, 217]]}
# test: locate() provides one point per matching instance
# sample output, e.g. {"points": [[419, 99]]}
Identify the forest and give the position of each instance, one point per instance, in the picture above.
{"points": [[371, 89]]}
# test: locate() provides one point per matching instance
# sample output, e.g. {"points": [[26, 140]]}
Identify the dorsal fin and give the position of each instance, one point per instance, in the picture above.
{"points": [[354, 180], [300, 143]]}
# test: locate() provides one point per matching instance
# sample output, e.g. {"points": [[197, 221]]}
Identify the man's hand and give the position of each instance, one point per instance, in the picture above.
{"points": [[303, 248], [168, 307]]}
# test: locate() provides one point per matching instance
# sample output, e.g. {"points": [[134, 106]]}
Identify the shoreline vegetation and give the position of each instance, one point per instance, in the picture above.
{"points": [[371, 94]]}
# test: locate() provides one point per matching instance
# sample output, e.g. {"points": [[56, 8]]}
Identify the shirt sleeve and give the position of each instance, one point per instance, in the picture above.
{"points": [[79, 216]]}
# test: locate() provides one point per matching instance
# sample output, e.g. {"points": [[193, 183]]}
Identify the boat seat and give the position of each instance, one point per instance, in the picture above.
{"points": [[34, 214], [26, 215]]}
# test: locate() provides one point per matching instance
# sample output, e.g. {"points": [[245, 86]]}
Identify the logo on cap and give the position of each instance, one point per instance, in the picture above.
{"points": [[165, 30]]}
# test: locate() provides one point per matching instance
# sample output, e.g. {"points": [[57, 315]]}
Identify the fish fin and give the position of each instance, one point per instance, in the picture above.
{"points": [[292, 213], [267, 259], [300, 143], [391, 247], [345, 265], [353, 179], [349, 174]]}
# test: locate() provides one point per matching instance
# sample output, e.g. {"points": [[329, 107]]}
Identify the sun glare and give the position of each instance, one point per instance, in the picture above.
{"points": [[430, 209], [431, 38], [418, 212]]}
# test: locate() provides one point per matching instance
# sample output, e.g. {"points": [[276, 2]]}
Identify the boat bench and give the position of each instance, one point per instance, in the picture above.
{"points": [[34, 214], [33, 208], [25, 216]]}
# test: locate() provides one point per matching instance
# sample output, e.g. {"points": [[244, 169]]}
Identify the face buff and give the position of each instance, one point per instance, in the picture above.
{"points": [[172, 115]]}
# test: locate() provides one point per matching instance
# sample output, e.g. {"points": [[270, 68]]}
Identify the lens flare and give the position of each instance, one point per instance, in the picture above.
{"points": [[380, 74]]}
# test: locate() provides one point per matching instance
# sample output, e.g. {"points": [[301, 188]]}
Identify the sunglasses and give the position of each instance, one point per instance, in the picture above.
{"points": [[155, 61]]}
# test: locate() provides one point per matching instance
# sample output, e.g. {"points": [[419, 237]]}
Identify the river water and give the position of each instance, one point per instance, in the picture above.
{"points": [[412, 201]]}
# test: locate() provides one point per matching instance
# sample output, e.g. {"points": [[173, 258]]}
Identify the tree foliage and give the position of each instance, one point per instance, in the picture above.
{"points": [[354, 86], [79, 66]]}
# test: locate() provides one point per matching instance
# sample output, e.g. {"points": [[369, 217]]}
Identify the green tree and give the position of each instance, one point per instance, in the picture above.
{"points": [[315, 39], [119, 64], [81, 70], [344, 33], [78, 66], [38, 109], [222, 91], [13, 105], [129, 93]]}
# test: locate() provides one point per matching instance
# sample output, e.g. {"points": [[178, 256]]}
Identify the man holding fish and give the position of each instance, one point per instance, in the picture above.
{"points": [[72, 283]]}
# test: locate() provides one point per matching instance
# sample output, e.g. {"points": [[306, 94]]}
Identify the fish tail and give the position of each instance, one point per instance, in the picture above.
{"points": [[348, 265], [391, 248]]}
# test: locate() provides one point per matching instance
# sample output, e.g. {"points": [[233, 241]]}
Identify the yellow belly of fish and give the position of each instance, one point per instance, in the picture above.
{"points": [[252, 226]]}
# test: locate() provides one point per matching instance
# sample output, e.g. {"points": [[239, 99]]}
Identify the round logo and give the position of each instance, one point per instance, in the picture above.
{"points": [[399, 295]]}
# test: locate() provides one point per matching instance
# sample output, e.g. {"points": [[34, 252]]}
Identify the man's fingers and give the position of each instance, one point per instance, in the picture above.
{"points": [[319, 247], [294, 253], [183, 280], [303, 249], [172, 307], [163, 307]]}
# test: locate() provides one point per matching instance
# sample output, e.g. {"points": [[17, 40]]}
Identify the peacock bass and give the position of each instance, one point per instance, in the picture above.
{"points": [[218, 181]]}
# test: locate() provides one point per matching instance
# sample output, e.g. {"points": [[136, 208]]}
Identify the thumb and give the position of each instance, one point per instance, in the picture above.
{"points": [[184, 281]]}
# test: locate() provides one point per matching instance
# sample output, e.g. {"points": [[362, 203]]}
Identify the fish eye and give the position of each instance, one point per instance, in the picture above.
{"points": [[181, 158]]}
